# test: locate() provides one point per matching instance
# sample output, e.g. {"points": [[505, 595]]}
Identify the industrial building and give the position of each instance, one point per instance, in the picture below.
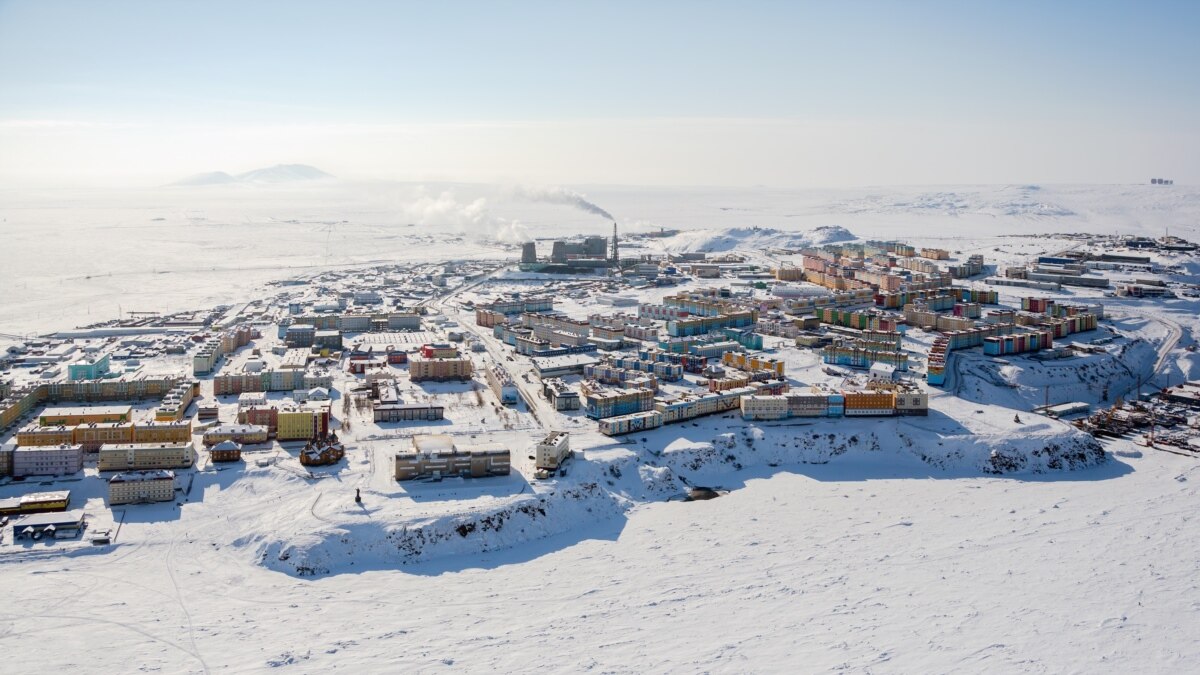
{"points": [[64, 525]]}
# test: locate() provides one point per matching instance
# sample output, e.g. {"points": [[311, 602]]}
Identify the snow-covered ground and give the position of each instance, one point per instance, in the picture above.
{"points": [[870, 562]]}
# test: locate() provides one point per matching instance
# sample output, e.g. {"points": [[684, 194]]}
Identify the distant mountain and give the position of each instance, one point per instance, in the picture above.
{"points": [[283, 173], [280, 173]]}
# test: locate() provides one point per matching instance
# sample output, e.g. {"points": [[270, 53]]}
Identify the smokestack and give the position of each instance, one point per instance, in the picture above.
{"points": [[616, 256]]}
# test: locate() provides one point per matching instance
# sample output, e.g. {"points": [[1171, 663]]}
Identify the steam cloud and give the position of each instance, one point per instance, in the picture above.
{"points": [[443, 211], [558, 195]]}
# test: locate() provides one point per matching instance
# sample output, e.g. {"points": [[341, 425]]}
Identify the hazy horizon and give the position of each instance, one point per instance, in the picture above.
{"points": [[780, 95]]}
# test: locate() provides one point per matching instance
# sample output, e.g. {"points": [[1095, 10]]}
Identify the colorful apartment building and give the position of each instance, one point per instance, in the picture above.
{"points": [[175, 404], [24, 401], [302, 423], [89, 368], [422, 368], [600, 402], [560, 394], [750, 362]]}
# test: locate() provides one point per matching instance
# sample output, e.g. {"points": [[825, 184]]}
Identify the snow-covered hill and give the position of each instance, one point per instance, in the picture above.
{"points": [[280, 173], [729, 239]]}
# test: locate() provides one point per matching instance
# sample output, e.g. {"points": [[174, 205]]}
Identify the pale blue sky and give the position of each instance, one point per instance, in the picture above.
{"points": [[788, 94]]}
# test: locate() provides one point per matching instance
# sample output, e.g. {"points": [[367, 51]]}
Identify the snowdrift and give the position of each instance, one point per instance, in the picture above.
{"points": [[352, 541]]}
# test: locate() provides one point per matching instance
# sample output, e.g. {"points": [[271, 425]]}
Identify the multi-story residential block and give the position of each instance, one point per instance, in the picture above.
{"points": [[146, 456], [764, 407], [92, 436], [502, 385], [162, 432], [750, 362], [422, 368], [47, 460], [34, 435], [141, 487], [302, 423], [175, 404], [327, 339], [600, 402], [75, 415], [300, 335], [437, 455], [206, 358], [245, 434], [560, 394], [439, 350]]}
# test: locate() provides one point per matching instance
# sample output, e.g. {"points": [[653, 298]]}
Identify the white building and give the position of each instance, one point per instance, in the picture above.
{"points": [[141, 487], [553, 450], [47, 460]]}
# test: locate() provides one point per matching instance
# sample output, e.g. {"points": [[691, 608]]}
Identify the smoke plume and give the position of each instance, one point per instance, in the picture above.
{"points": [[558, 195], [442, 211]]}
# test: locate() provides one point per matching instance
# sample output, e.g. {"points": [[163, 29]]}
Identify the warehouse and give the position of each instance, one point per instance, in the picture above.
{"points": [[565, 364], [65, 525]]}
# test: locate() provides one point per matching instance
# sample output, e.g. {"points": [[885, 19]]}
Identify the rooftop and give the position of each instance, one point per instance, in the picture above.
{"points": [[136, 476], [54, 411]]}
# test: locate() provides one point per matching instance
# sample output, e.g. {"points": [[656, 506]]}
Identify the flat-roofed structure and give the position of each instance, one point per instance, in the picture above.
{"points": [[36, 502], [64, 525], [83, 414], [141, 487], [146, 456], [436, 455], [47, 460]]}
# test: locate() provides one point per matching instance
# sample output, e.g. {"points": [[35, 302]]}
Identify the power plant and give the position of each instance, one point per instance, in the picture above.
{"points": [[593, 255]]}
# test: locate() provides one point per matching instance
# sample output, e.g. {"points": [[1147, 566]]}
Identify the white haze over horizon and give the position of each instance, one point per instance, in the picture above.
{"points": [[682, 152]]}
